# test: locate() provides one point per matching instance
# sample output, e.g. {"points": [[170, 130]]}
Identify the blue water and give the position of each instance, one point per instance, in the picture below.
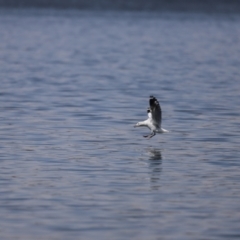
{"points": [[73, 84]]}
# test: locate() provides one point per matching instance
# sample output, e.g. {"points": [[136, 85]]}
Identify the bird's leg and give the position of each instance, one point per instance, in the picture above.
{"points": [[150, 135]]}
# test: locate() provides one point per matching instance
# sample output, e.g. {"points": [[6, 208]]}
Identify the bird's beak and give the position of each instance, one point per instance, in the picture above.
{"points": [[135, 125]]}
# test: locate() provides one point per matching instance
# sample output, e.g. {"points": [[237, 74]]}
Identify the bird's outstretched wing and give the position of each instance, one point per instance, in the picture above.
{"points": [[156, 111]]}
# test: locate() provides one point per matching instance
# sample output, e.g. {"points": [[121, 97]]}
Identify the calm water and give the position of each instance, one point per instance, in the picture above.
{"points": [[73, 84]]}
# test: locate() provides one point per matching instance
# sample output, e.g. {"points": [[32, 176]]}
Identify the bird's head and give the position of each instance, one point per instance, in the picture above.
{"points": [[137, 125]]}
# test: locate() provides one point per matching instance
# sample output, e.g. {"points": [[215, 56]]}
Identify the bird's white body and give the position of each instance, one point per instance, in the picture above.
{"points": [[150, 124], [154, 118]]}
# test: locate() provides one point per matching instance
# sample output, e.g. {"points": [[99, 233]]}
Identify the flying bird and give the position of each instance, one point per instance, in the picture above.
{"points": [[154, 118]]}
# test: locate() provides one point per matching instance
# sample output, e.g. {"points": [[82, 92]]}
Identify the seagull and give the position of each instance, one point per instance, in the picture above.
{"points": [[154, 118]]}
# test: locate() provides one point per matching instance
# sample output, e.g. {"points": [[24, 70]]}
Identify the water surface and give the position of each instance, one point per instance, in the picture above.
{"points": [[74, 83]]}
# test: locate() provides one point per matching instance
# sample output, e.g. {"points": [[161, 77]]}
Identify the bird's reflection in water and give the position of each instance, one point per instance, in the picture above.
{"points": [[155, 165]]}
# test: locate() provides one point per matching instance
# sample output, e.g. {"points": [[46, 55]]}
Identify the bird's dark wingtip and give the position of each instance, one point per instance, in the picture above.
{"points": [[153, 101], [152, 98]]}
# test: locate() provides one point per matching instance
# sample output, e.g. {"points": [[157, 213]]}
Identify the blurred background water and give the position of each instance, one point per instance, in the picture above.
{"points": [[73, 84]]}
